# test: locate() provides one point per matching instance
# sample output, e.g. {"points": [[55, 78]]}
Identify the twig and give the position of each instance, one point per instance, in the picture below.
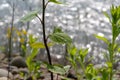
{"points": [[10, 40], [39, 19], [46, 4]]}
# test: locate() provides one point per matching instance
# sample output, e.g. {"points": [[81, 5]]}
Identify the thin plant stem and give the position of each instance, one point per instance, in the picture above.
{"points": [[44, 36], [112, 51], [111, 58], [10, 41]]}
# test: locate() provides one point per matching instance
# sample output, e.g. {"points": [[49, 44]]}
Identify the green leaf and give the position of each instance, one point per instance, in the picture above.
{"points": [[61, 38], [102, 38], [115, 13], [29, 16], [40, 45], [96, 78], [109, 64], [33, 53], [55, 1], [57, 69], [106, 56], [73, 51], [29, 59], [32, 39], [57, 30], [118, 50], [106, 14], [105, 73], [67, 68], [82, 54]]}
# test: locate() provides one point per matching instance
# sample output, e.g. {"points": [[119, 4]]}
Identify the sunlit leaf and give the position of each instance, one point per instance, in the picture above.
{"points": [[73, 51], [60, 38], [57, 70], [29, 16], [55, 1], [119, 50], [67, 68], [40, 45], [82, 54], [109, 64], [29, 59], [106, 14], [32, 39], [102, 38]]}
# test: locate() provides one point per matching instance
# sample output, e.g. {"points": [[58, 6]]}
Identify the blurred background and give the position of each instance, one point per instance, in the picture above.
{"points": [[81, 19]]}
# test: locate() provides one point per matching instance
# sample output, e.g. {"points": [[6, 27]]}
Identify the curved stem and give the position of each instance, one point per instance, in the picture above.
{"points": [[46, 4], [39, 19], [44, 36]]}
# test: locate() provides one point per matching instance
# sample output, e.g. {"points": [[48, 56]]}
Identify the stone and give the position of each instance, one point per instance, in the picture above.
{"points": [[19, 62], [4, 73], [24, 70], [3, 78]]}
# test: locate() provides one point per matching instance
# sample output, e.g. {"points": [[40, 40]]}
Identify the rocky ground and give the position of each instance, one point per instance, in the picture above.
{"points": [[18, 65]]}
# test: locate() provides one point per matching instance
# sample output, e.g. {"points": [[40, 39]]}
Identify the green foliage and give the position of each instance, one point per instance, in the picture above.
{"points": [[59, 69], [105, 73], [78, 56], [32, 39], [113, 47], [61, 38], [57, 30], [115, 14], [33, 67], [58, 36], [55, 1], [82, 54], [103, 39], [29, 16], [72, 50], [40, 45]]}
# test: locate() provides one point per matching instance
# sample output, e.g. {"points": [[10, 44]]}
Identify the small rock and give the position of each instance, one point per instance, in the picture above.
{"points": [[15, 54], [3, 78], [24, 70], [19, 62], [4, 73]]}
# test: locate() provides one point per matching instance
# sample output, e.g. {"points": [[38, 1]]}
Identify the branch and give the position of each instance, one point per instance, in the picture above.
{"points": [[46, 4], [10, 40], [39, 19]]}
